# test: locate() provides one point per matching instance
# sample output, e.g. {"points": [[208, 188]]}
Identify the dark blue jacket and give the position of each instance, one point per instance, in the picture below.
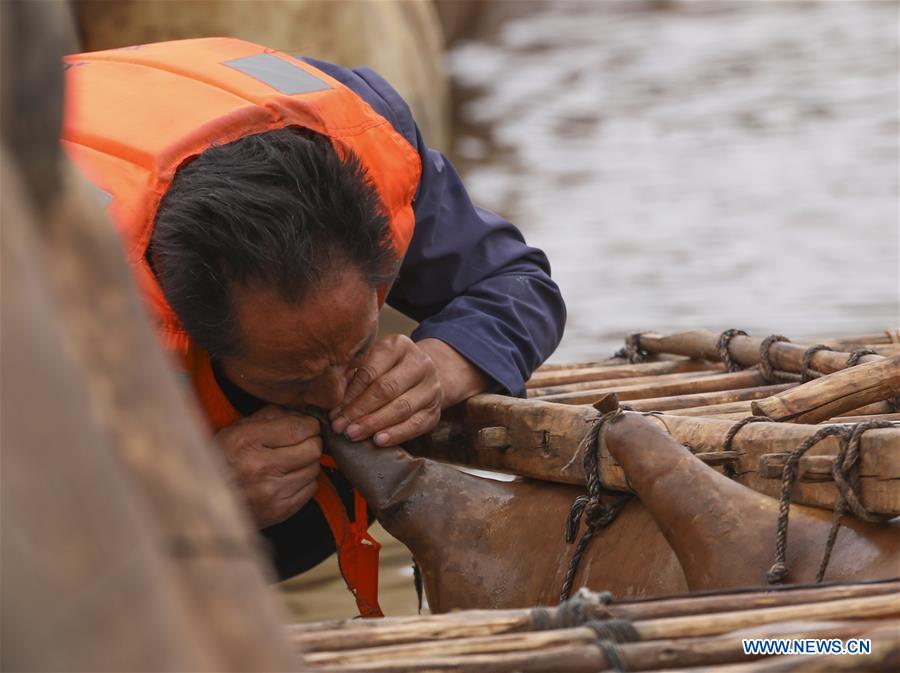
{"points": [[468, 278]]}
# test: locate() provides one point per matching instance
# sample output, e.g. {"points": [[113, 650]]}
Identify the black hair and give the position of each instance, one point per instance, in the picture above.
{"points": [[277, 210]]}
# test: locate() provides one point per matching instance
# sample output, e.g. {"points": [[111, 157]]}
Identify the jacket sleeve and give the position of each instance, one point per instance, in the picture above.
{"points": [[468, 276]]}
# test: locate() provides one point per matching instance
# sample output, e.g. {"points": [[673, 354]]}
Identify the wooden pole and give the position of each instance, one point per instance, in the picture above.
{"points": [[637, 656], [123, 547], [704, 399], [544, 379], [869, 607], [590, 387], [358, 634], [699, 382], [832, 395], [745, 351]]}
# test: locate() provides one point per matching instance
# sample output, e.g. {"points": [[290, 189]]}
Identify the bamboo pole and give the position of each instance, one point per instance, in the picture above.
{"points": [[869, 607], [700, 382], [745, 351], [704, 399], [832, 395], [543, 379], [885, 655], [636, 656], [357, 634]]}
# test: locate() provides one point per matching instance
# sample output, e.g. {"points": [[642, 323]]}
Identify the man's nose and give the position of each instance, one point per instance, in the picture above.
{"points": [[329, 389]]}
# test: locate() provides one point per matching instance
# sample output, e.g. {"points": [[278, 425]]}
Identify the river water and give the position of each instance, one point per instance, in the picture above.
{"points": [[693, 164]]}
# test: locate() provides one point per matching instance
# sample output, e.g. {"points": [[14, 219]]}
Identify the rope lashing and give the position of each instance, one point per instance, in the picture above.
{"points": [[612, 631], [583, 607], [779, 569], [769, 373], [724, 353], [856, 355], [729, 468], [615, 630], [632, 350], [736, 428], [807, 372], [596, 513], [612, 655], [845, 470], [853, 360]]}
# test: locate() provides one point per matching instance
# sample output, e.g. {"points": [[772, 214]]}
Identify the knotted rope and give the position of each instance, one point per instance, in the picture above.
{"points": [[768, 371], [724, 353], [856, 355], [806, 371], [590, 507], [632, 350], [846, 476], [779, 569], [585, 606]]}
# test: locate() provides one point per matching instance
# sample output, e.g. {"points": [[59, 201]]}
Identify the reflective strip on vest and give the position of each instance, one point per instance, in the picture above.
{"points": [[278, 74]]}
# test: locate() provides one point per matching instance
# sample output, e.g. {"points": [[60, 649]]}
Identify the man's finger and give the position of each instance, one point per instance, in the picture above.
{"points": [[267, 413], [289, 459], [418, 424], [425, 395], [391, 385], [380, 360], [287, 430]]}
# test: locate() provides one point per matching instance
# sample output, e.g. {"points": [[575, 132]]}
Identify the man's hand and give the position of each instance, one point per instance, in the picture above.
{"points": [[274, 461], [399, 391]]}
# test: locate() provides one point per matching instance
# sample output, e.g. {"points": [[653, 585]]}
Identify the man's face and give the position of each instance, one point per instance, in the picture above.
{"points": [[296, 355]]}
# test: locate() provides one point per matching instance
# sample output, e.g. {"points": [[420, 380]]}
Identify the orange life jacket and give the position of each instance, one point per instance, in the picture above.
{"points": [[134, 115]]}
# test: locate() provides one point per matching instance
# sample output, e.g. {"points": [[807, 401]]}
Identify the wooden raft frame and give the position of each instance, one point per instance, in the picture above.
{"points": [[540, 437]]}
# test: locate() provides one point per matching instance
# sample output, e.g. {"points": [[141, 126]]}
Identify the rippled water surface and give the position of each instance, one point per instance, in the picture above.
{"points": [[710, 164]]}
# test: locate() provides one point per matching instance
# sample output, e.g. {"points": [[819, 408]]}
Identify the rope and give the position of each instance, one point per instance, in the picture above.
{"points": [[632, 350], [728, 469], [722, 348], [779, 569], [583, 607], [611, 654], [736, 428], [846, 475], [846, 471], [856, 355], [614, 630], [590, 507], [765, 364], [806, 371], [724, 353]]}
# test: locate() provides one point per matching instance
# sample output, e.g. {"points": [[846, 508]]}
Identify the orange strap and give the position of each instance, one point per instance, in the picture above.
{"points": [[357, 550]]}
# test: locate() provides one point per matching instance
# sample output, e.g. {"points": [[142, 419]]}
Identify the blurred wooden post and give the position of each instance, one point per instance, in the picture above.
{"points": [[123, 548]]}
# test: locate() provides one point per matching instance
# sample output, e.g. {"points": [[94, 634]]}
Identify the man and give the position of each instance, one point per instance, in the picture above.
{"points": [[269, 205]]}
